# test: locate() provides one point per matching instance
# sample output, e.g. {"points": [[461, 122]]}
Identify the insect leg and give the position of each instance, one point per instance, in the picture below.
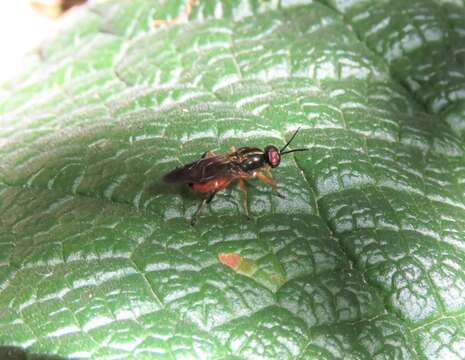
{"points": [[208, 154], [211, 196], [266, 179], [194, 217], [268, 173], [271, 182], [243, 187], [204, 201], [278, 194]]}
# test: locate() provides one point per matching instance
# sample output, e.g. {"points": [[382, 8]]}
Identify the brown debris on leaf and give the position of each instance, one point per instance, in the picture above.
{"points": [[232, 260], [238, 263], [266, 271], [54, 8]]}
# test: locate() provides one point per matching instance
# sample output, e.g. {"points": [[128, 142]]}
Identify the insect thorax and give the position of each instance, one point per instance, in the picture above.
{"points": [[251, 159]]}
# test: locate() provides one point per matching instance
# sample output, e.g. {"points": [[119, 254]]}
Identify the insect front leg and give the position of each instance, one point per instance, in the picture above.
{"points": [[204, 201], [268, 173], [269, 181]]}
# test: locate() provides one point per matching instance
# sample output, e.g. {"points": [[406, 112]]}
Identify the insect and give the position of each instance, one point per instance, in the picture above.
{"points": [[214, 172]]}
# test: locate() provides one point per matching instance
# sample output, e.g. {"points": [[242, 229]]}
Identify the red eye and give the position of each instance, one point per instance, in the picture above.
{"points": [[274, 158]]}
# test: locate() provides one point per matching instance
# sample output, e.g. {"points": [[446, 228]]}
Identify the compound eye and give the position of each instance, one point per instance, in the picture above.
{"points": [[274, 158]]}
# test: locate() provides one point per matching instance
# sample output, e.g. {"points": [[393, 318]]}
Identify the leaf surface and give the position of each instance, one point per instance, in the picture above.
{"points": [[362, 259]]}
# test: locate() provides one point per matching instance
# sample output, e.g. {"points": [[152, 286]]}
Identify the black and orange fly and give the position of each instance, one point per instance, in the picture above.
{"points": [[214, 172]]}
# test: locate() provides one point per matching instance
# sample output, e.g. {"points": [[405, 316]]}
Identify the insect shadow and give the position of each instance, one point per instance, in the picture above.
{"points": [[160, 187]]}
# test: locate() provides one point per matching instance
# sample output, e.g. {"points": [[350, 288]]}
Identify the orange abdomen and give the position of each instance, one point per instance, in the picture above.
{"points": [[212, 185]]}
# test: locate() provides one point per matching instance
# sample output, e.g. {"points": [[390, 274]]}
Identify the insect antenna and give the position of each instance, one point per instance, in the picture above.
{"points": [[282, 152], [293, 150]]}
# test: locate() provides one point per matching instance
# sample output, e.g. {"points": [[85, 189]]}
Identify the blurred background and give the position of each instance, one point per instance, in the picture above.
{"points": [[24, 24]]}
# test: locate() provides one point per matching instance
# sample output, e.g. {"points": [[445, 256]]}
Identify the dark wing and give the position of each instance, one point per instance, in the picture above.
{"points": [[210, 168]]}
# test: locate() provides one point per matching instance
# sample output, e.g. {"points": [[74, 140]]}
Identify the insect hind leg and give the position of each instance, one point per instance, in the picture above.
{"points": [[204, 201], [210, 197]]}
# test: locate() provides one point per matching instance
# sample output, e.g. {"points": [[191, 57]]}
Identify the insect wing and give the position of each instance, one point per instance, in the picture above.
{"points": [[219, 166]]}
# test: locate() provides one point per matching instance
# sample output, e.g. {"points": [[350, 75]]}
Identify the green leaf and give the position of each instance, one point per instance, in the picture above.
{"points": [[364, 258]]}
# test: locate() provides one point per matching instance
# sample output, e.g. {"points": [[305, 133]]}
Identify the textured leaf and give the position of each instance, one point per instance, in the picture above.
{"points": [[363, 258]]}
